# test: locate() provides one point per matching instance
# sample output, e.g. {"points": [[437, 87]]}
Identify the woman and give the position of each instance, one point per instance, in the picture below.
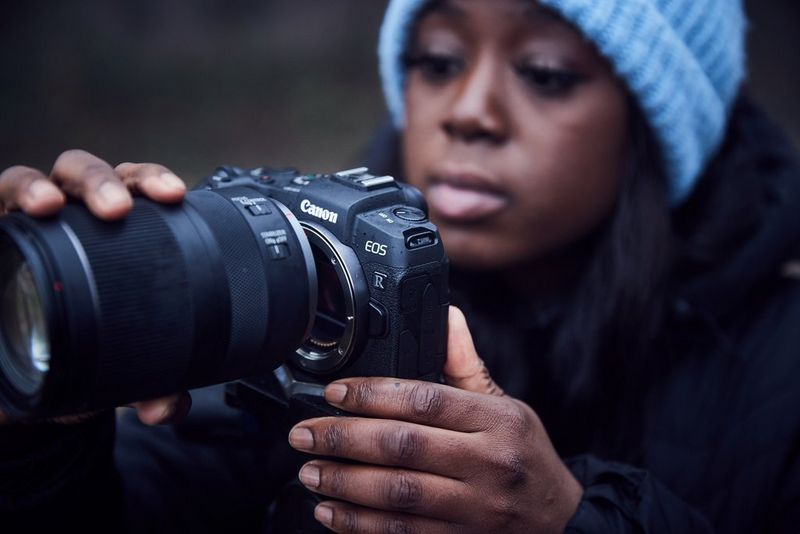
{"points": [[618, 219]]}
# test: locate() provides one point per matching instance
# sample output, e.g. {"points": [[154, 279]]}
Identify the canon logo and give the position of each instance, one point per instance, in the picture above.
{"points": [[320, 213]]}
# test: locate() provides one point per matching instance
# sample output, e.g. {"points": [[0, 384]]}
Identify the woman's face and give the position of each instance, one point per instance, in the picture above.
{"points": [[515, 130]]}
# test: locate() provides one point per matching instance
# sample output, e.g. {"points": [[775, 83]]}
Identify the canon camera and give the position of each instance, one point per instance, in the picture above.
{"points": [[261, 276]]}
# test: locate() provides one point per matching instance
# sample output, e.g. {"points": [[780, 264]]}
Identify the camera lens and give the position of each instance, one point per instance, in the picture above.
{"points": [[25, 347], [96, 314]]}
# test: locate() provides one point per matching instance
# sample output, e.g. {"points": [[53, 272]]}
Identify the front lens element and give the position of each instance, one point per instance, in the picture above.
{"points": [[23, 325]]}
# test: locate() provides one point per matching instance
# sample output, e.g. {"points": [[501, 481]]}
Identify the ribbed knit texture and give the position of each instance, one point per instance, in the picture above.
{"points": [[682, 59]]}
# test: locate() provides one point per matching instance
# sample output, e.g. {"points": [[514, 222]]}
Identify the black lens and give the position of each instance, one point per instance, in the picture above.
{"points": [[167, 299], [24, 340]]}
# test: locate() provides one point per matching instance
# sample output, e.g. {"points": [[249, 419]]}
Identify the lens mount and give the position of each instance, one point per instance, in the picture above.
{"points": [[341, 304]]}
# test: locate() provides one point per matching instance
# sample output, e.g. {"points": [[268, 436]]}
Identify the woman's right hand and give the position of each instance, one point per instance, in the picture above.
{"points": [[107, 191]]}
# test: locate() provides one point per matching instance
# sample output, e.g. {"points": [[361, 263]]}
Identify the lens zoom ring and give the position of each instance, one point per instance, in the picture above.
{"points": [[136, 318]]}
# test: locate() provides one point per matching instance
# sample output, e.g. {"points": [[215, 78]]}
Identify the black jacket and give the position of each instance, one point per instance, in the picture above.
{"points": [[718, 449]]}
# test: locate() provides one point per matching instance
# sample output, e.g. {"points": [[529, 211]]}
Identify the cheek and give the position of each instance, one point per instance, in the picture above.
{"points": [[575, 156], [563, 168], [420, 136]]}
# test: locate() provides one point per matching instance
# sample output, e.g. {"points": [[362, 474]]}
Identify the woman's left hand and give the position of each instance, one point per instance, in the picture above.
{"points": [[436, 458]]}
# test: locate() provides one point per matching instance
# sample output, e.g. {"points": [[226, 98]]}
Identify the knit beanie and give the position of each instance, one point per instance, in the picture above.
{"points": [[683, 60]]}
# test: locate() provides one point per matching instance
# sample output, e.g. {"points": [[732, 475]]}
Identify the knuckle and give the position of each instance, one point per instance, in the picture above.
{"points": [[149, 170], [71, 154], [509, 468], [335, 480], [349, 521], [15, 178], [403, 492], [14, 173], [363, 394], [514, 421], [402, 444], [334, 437], [97, 172], [394, 525], [426, 400], [505, 511]]}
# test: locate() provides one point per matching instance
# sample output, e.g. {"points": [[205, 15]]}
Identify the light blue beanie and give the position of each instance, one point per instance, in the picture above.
{"points": [[682, 59]]}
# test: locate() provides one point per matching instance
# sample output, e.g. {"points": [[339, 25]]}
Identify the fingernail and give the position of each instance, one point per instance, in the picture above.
{"points": [[301, 438], [39, 189], [309, 475], [113, 194], [324, 514], [335, 393], [172, 181]]}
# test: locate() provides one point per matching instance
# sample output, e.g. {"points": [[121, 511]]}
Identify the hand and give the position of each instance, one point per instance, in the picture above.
{"points": [[105, 190], [435, 458]]}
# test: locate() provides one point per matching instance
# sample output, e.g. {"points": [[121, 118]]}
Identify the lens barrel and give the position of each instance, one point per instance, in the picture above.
{"points": [[95, 314]]}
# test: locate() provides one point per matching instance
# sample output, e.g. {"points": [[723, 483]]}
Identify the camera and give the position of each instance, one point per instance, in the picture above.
{"points": [[275, 281]]}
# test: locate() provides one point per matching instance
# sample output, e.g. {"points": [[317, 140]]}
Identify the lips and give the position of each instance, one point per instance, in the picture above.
{"points": [[464, 197]]}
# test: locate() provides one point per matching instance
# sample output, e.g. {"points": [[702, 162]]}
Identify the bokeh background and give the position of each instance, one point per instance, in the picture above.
{"points": [[197, 83]]}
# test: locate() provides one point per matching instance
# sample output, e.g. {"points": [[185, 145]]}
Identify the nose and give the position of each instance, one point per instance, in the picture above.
{"points": [[478, 112]]}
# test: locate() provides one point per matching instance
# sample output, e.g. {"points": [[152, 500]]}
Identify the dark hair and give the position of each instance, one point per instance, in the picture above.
{"points": [[611, 320]]}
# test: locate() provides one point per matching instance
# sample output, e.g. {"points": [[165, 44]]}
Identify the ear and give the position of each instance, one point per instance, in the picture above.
{"points": [[464, 369]]}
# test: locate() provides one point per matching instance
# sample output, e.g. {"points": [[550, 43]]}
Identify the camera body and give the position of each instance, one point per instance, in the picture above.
{"points": [[382, 274]]}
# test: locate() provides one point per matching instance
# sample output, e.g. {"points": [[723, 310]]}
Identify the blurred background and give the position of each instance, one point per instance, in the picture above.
{"points": [[196, 83]]}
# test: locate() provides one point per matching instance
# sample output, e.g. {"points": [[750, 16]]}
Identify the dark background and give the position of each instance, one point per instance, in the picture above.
{"points": [[196, 83]]}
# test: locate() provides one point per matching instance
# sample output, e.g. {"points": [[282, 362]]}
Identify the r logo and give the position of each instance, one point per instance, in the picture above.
{"points": [[378, 280]]}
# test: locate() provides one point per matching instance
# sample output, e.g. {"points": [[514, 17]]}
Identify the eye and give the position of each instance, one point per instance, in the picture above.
{"points": [[434, 67], [549, 81]]}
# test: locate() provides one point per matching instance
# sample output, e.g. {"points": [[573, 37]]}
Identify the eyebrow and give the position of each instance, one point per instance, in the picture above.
{"points": [[535, 10]]}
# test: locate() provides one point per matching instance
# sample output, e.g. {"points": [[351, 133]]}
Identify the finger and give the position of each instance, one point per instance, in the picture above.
{"points": [[152, 180], [352, 519], [91, 179], [29, 190], [390, 443], [386, 489], [426, 403], [164, 410], [463, 368]]}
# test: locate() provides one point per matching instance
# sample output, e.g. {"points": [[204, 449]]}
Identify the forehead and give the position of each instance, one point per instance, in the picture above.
{"points": [[507, 22]]}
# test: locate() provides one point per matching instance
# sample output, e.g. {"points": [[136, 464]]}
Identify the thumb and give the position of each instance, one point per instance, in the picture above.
{"points": [[463, 368]]}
